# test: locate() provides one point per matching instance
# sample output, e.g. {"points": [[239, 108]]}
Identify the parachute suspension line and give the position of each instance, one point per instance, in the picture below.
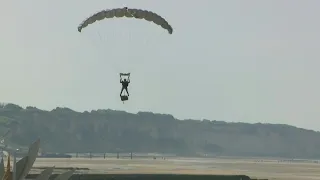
{"points": [[126, 8], [101, 50], [129, 13], [99, 35]]}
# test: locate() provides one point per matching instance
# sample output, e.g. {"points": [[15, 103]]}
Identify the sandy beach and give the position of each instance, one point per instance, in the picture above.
{"points": [[271, 169]]}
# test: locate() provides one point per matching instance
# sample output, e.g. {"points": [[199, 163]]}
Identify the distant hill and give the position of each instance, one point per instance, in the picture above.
{"points": [[64, 130]]}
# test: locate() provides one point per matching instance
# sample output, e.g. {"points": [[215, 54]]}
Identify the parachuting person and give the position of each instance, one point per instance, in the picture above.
{"points": [[125, 83], [128, 13]]}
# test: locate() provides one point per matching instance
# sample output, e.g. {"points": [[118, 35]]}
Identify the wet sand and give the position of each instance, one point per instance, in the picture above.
{"points": [[270, 169]]}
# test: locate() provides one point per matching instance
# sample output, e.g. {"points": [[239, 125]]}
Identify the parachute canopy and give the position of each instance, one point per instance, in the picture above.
{"points": [[129, 13]]}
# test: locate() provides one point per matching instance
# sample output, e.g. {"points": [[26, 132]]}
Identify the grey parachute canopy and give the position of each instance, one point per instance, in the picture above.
{"points": [[129, 13]]}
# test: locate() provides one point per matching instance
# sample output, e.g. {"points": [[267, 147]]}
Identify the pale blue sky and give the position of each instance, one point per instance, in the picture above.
{"points": [[248, 60]]}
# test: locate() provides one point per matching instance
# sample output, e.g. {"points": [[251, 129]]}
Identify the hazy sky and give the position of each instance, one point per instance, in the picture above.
{"points": [[248, 60]]}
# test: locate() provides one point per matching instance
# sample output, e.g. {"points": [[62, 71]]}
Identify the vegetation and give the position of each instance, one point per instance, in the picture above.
{"points": [[64, 130]]}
